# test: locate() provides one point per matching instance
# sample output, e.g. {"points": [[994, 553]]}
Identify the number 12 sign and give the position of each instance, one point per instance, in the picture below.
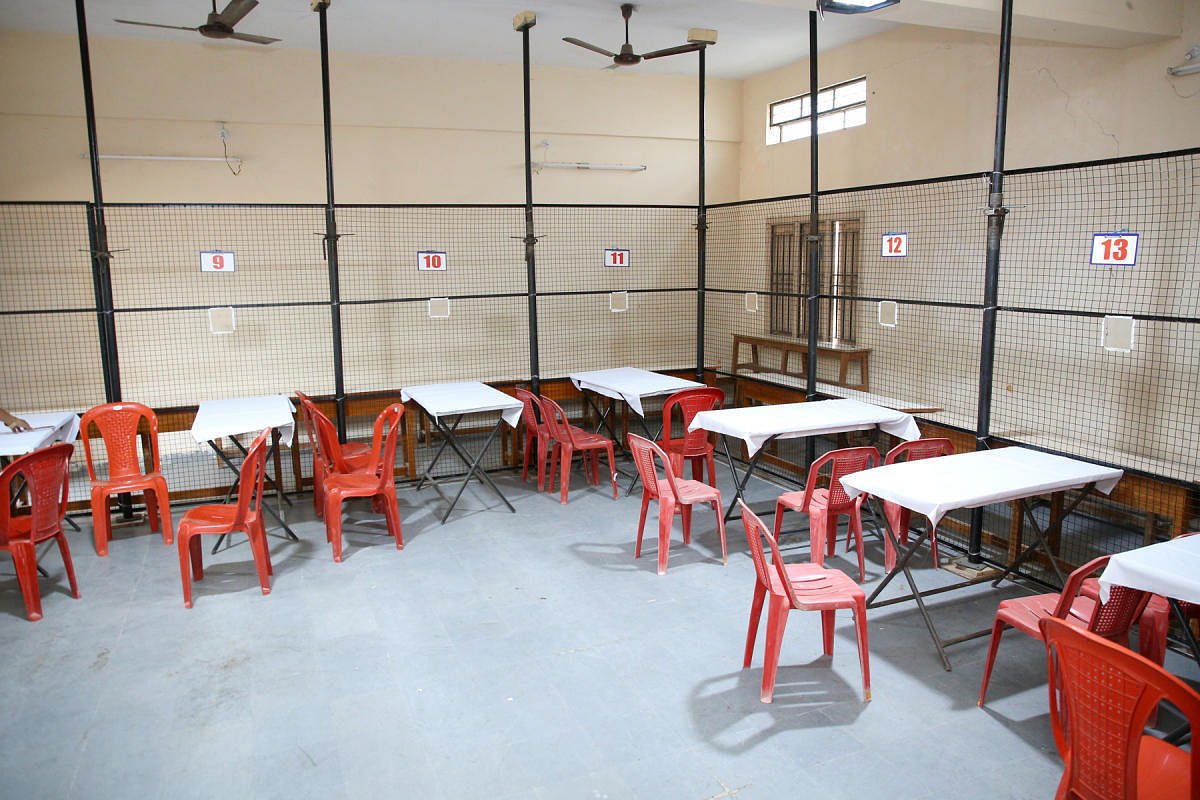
{"points": [[895, 245], [1114, 249], [431, 261], [616, 258], [217, 261]]}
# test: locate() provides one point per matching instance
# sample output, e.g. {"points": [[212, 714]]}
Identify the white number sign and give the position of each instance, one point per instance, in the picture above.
{"points": [[431, 261], [894, 245], [217, 261], [1114, 249], [616, 258]]}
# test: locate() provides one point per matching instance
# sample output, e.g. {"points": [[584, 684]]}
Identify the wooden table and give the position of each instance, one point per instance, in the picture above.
{"points": [[845, 355]]}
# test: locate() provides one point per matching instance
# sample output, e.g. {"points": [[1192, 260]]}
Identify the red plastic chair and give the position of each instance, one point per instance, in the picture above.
{"points": [[804, 587], [897, 515], [351, 454], [569, 440], [45, 475], [696, 446], [226, 518], [377, 481], [1111, 620], [674, 495], [536, 430], [825, 505], [1101, 698], [118, 425]]}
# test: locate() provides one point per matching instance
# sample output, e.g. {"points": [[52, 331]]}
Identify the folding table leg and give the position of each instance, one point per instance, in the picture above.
{"points": [[446, 437], [473, 467], [1041, 538], [740, 485]]}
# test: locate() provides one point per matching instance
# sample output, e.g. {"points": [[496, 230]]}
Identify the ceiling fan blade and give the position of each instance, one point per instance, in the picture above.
{"points": [[250, 37], [673, 51], [234, 12], [155, 25], [587, 46]]}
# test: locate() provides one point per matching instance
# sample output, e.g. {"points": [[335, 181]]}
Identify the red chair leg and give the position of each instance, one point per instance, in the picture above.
{"points": [[262, 561], [318, 488], [666, 517], [100, 522], [391, 511], [612, 468], [197, 554], [185, 566], [152, 510], [565, 477], [163, 502], [525, 456], [760, 593], [555, 453], [333, 524], [542, 445], [712, 470], [65, 552], [687, 523], [637, 550], [827, 631], [864, 654], [25, 561], [777, 614], [721, 530], [997, 630], [855, 525]]}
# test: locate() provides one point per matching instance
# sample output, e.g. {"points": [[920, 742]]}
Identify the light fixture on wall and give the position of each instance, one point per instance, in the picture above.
{"points": [[1193, 57], [853, 6], [545, 145]]}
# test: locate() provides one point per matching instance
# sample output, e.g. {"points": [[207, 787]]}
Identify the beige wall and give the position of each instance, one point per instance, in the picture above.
{"points": [[932, 99], [406, 130]]}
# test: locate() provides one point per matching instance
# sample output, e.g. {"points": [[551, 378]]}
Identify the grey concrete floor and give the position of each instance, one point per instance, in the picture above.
{"points": [[501, 655]]}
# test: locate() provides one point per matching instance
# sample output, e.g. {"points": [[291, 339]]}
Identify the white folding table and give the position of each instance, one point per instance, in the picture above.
{"points": [[936, 486], [631, 385], [757, 426], [456, 400], [218, 419], [1170, 569]]}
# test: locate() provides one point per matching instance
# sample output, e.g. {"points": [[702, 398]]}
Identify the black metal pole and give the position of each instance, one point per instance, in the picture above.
{"points": [[996, 212], [530, 240], [97, 230], [701, 237], [814, 231], [331, 234]]}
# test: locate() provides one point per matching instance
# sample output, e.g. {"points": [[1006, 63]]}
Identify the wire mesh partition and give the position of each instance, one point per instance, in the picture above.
{"points": [[617, 286]]}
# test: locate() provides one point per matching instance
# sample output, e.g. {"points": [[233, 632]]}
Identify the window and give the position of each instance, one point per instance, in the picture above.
{"points": [[838, 107], [789, 279]]}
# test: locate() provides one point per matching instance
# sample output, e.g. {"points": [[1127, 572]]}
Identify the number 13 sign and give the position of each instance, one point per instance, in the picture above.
{"points": [[1114, 249], [895, 245]]}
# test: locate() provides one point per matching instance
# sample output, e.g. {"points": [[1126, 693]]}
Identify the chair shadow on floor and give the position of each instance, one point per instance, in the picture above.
{"points": [[723, 706], [619, 558]]}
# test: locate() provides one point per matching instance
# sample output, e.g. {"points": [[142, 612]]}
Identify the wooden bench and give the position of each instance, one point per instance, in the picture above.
{"points": [[761, 346]]}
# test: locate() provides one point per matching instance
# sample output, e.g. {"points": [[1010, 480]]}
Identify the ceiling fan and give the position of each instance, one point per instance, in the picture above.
{"points": [[218, 26], [626, 57]]}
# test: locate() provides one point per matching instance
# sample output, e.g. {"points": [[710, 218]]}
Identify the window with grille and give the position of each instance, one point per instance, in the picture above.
{"points": [[838, 107], [789, 255]]}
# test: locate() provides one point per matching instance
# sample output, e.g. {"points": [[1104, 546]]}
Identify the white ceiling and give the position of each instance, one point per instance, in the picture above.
{"points": [[754, 36]]}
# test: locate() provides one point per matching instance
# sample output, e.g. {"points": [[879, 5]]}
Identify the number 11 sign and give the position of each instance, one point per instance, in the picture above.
{"points": [[616, 258], [895, 245]]}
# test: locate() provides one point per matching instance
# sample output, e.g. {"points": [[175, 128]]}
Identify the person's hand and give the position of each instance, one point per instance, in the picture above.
{"points": [[14, 423]]}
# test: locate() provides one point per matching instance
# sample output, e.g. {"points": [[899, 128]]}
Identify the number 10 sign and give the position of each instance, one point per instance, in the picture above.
{"points": [[1114, 249], [431, 261]]}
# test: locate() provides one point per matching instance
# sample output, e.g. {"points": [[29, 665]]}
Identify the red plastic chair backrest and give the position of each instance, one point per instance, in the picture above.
{"points": [[530, 408], [387, 429], [250, 481], [644, 452], [328, 448], [845, 462], [756, 531], [306, 409], [118, 425], [691, 402], [1114, 617], [918, 449], [556, 421], [45, 473], [1101, 697]]}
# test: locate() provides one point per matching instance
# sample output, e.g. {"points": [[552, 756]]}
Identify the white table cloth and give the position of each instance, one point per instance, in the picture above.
{"points": [[936, 486], [47, 427], [756, 424], [217, 418], [630, 384], [470, 397], [1170, 569]]}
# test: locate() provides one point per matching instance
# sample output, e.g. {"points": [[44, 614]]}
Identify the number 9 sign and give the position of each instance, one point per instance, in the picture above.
{"points": [[217, 261], [1114, 249]]}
